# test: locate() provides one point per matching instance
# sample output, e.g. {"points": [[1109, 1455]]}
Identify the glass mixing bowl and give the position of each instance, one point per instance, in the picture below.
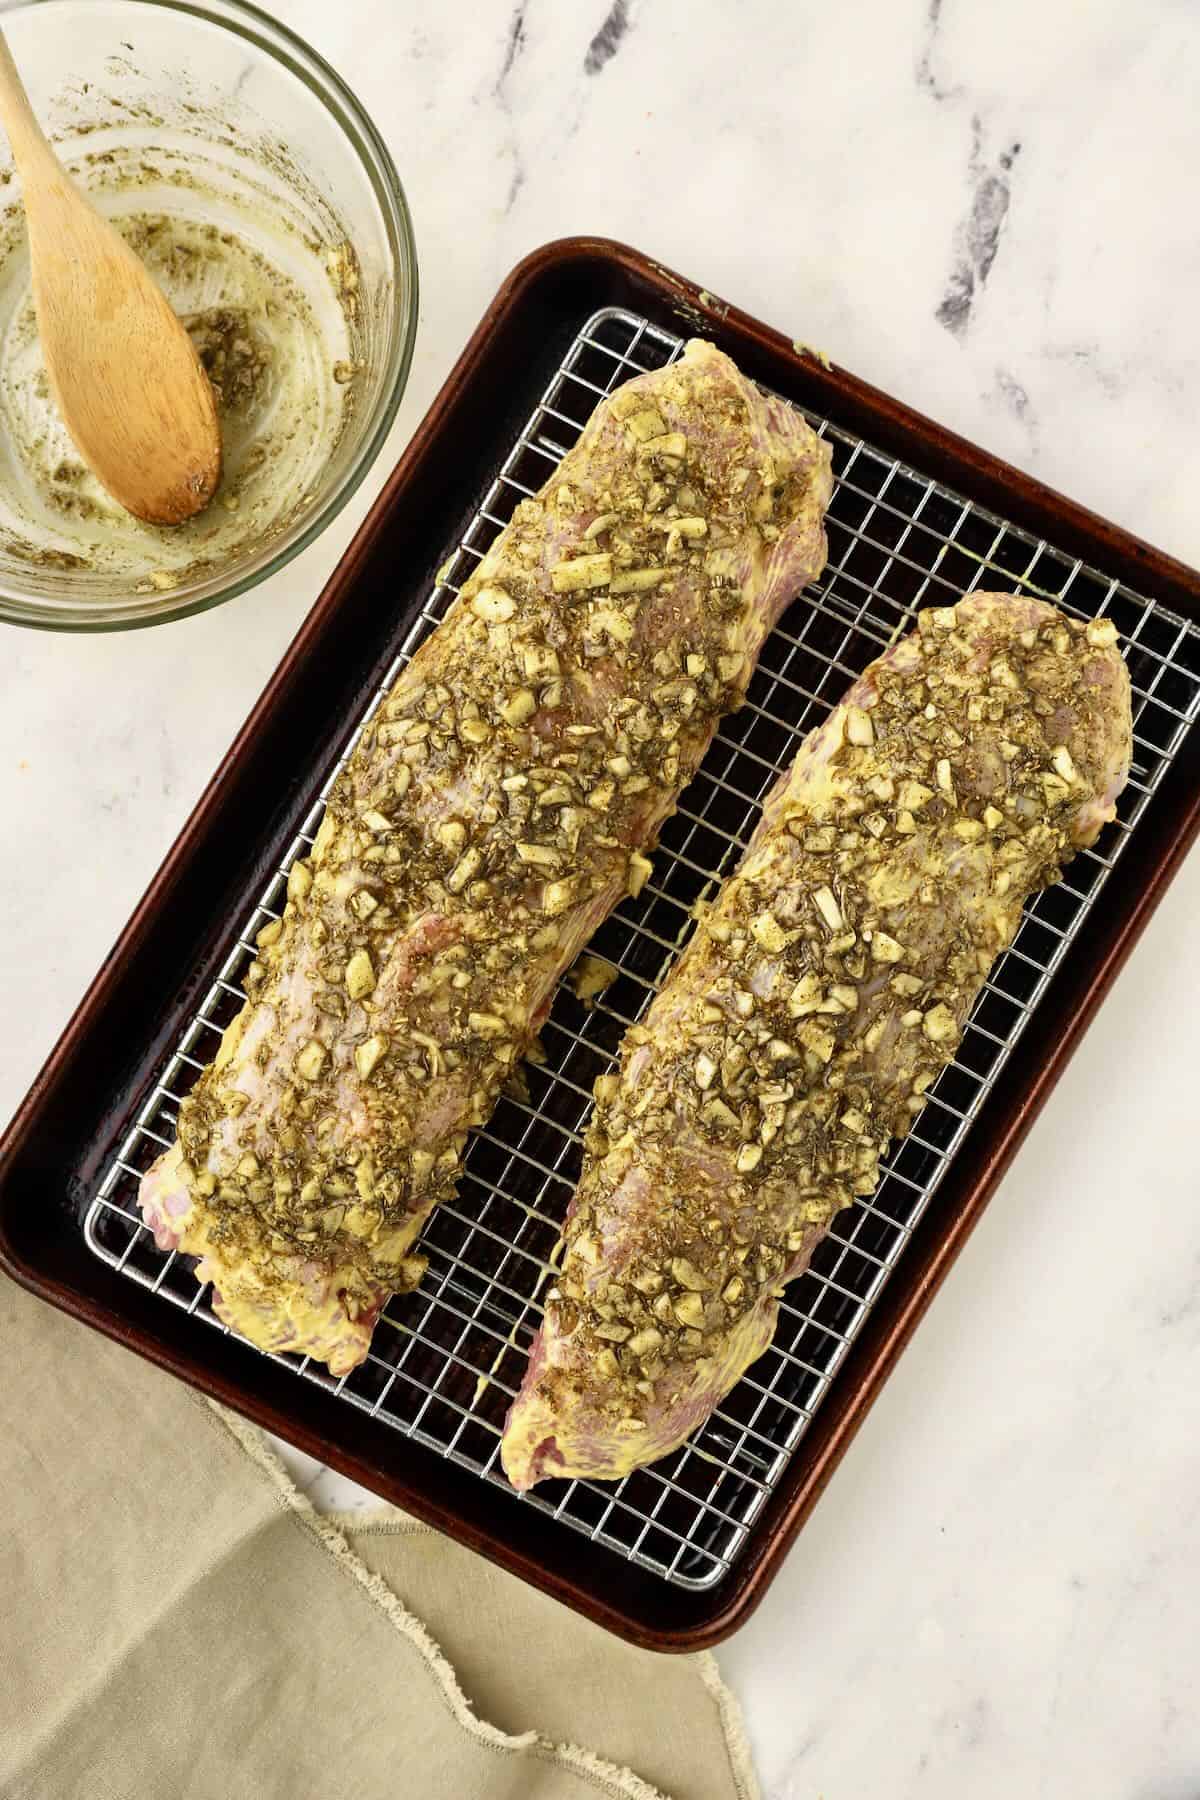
{"points": [[264, 200]]}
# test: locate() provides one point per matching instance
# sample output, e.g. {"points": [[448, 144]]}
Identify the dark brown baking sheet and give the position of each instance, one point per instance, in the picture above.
{"points": [[53, 1154]]}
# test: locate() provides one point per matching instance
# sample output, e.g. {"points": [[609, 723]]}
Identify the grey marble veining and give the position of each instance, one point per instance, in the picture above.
{"points": [[989, 211]]}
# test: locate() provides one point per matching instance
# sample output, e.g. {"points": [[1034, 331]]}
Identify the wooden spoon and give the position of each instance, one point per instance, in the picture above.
{"points": [[124, 374]]}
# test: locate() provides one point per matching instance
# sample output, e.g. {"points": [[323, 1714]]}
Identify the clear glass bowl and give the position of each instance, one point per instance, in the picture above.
{"points": [[264, 199]]}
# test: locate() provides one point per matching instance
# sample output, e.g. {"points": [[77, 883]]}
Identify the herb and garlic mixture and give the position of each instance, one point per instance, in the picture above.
{"points": [[818, 1001], [272, 311], [499, 805]]}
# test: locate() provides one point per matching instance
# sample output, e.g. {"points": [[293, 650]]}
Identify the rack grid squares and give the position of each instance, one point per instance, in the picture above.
{"points": [[447, 1360]]}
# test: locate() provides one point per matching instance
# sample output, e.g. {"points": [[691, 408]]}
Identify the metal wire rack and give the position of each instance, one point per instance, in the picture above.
{"points": [[447, 1360]]}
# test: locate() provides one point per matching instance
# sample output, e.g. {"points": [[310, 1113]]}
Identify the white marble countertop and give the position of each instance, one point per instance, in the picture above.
{"points": [[989, 211]]}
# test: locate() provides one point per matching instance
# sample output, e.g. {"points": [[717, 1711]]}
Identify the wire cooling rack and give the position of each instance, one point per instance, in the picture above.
{"points": [[447, 1360]]}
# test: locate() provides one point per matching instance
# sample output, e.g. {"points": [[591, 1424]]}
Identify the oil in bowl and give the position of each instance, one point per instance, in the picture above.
{"points": [[298, 292]]}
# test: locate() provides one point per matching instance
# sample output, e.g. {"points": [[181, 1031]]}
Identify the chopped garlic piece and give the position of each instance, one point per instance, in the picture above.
{"points": [[299, 881], [940, 1024], [581, 572], [672, 445], [493, 604], [689, 1310], [913, 795], [368, 1053], [805, 997], [539, 662], [1065, 763], [360, 975], [487, 1024], [519, 707], [827, 906], [591, 976], [640, 870], [612, 623], [769, 932], [636, 581], [557, 896], [884, 948], [818, 1038], [859, 728], [646, 424], [464, 870]]}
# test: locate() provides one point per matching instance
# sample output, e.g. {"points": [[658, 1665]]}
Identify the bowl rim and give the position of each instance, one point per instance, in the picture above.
{"points": [[285, 47]]}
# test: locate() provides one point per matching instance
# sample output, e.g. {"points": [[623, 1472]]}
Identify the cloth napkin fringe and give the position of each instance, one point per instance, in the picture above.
{"points": [[623, 1783]]}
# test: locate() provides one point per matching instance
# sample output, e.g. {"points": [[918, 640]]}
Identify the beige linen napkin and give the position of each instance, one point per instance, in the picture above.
{"points": [[176, 1621]]}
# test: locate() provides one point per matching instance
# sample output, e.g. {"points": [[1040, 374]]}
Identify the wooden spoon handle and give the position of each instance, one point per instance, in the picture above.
{"points": [[28, 141], [122, 370]]}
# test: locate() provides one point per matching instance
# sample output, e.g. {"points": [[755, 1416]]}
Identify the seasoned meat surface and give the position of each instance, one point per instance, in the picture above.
{"points": [[498, 806], [817, 1002]]}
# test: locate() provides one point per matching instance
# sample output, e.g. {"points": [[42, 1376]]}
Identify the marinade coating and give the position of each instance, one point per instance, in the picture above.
{"points": [[496, 809], [818, 1000]]}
